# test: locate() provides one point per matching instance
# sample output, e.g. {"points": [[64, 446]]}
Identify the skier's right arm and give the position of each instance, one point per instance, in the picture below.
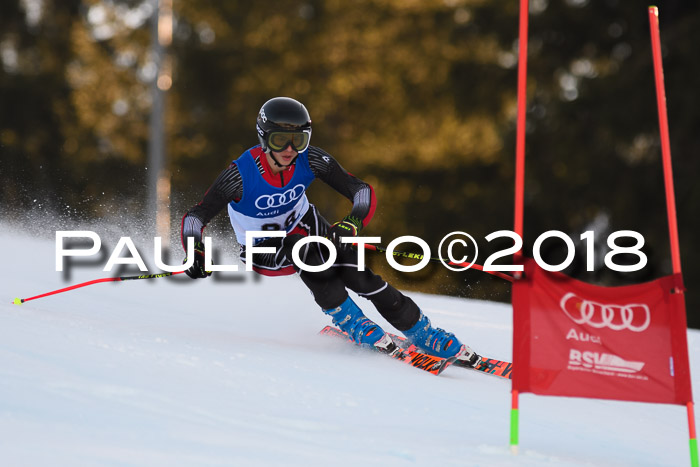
{"points": [[226, 188]]}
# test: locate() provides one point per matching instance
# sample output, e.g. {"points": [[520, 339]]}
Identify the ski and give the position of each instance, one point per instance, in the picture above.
{"points": [[490, 366], [409, 355]]}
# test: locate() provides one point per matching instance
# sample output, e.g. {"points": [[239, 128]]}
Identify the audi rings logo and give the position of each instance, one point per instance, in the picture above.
{"points": [[636, 316], [279, 199]]}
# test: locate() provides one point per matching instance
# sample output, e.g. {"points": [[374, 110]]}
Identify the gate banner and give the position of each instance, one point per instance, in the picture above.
{"points": [[575, 339]]}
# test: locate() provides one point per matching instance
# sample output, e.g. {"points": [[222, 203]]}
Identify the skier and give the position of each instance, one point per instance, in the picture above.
{"points": [[265, 189]]}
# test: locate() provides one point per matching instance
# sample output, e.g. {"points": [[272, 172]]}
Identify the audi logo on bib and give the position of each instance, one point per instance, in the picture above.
{"points": [[277, 200], [634, 317]]}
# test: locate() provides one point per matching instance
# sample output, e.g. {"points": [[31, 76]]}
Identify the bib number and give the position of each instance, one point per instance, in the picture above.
{"points": [[287, 223]]}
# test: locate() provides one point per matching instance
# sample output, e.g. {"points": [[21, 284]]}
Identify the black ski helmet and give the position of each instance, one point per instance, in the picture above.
{"points": [[283, 115]]}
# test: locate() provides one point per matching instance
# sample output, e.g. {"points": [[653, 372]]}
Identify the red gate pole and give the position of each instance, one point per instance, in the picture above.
{"points": [[519, 183], [520, 131], [693, 436], [668, 183], [665, 141]]}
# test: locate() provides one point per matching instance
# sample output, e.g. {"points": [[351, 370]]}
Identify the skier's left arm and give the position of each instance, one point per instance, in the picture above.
{"points": [[360, 193]]}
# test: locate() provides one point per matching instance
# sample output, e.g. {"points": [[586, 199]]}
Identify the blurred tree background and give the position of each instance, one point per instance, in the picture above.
{"points": [[417, 97]]}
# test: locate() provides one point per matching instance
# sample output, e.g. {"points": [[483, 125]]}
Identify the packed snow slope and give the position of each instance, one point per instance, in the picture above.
{"points": [[174, 372]]}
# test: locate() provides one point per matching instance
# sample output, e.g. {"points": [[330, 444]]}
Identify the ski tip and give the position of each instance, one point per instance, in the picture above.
{"points": [[17, 301]]}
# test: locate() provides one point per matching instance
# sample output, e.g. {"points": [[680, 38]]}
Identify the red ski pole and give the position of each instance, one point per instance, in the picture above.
{"points": [[19, 301]]}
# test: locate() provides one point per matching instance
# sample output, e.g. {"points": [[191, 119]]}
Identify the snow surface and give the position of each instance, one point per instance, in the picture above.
{"points": [[174, 372]]}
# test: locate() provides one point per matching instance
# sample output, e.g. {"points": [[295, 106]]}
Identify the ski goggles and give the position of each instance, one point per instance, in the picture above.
{"points": [[298, 140]]}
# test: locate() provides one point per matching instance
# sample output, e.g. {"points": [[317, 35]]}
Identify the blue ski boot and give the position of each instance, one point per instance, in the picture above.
{"points": [[439, 342], [362, 330]]}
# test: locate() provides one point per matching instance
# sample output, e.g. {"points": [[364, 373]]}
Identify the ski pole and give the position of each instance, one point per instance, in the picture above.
{"points": [[381, 249], [19, 301]]}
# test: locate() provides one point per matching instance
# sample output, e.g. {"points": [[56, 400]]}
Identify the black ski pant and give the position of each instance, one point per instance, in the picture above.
{"points": [[330, 287]]}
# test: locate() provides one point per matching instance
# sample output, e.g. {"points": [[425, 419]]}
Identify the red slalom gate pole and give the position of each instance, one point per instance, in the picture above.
{"points": [[670, 193], [693, 436], [19, 301], [514, 424], [520, 130], [519, 184], [665, 140]]}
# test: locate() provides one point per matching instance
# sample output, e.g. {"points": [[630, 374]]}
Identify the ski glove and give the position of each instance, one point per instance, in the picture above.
{"points": [[348, 227], [196, 271]]}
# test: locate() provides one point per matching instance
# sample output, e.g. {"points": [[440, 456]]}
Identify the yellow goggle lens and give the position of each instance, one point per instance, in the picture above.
{"points": [[278, 141]]}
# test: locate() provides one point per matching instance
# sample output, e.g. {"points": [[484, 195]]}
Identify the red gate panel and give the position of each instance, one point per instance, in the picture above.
{"points": [[575, 339]]}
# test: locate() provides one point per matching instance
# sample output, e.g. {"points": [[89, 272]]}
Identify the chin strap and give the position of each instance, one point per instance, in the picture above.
{"points": [[274, 159], [277, 163]]}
